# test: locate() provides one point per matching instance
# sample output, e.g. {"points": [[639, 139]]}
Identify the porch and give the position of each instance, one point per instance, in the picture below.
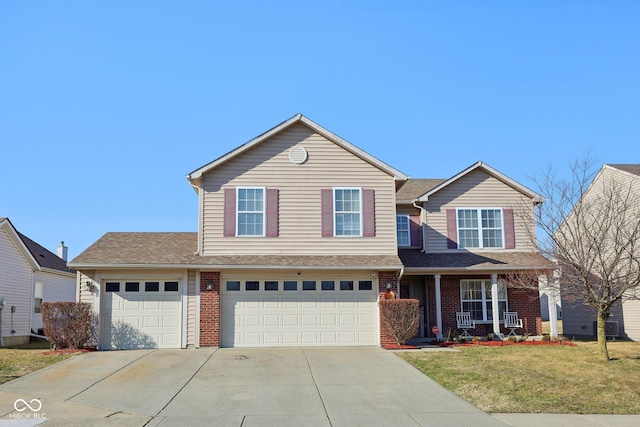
{"points": [[485, 296]]}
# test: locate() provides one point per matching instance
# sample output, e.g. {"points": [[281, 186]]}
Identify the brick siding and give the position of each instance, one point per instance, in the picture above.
{"points": [[210, 310], [383, 278], [524, 301]]}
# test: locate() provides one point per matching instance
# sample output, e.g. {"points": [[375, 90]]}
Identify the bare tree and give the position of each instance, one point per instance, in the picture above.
{"points": [[590, 226]]}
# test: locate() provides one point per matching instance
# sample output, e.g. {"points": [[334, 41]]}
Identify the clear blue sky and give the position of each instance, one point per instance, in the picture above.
{"points": [[106, 106]]}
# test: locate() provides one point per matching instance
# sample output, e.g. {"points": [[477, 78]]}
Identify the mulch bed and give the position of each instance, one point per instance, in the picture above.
{"points": [[68, 351], [399, 347], [480, 344], [504, 343]]}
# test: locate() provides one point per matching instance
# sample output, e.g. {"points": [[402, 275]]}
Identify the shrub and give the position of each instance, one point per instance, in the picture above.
{"points": [[513, 338], [67, 324], [490, 336], [400, 318], [476, 339], [546, 338]]}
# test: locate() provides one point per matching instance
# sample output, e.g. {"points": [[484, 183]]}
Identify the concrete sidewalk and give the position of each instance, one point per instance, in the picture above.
{"points": [[250, 387]]}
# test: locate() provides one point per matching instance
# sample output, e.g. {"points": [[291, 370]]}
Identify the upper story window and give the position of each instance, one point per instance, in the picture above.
{"points": [[480, 228], [403, 230], [250, 211], [347, 211], [475, 296]]}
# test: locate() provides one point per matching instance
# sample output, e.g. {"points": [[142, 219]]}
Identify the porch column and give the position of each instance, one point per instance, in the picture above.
{"points": [[438, 307], [495, 309]]}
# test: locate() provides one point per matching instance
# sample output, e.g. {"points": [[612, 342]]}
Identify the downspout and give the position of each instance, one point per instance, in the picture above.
{"points": [[423, 220]]}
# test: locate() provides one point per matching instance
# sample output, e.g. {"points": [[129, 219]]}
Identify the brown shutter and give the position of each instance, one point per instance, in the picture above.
{"points": [[368, 213], [326, 199], [452, 229], [414, 230], [509, 229], [272, 212], [229, 212]]}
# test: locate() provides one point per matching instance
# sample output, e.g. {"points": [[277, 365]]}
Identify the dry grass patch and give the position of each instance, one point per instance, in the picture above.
{"points": [[529, 379], [18, 361]]}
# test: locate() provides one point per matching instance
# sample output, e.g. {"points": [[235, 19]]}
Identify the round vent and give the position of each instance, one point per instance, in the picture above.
{"points": [[298, 155]]}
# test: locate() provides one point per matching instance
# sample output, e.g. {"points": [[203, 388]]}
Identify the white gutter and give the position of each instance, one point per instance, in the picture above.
{"points": [[236, 266]]}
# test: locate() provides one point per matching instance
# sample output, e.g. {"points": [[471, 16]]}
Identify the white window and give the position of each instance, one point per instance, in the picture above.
{"points": [[403, 232], [250, 211], [480, 228], [37, 295], [347, 210], [476, 299]]}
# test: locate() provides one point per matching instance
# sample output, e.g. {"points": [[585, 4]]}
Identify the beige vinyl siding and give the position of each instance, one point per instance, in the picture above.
{"points": [[83, 294], [476, 189], [299, 185], [191, 308], [631, 319], [16, 287], [55, 287]]}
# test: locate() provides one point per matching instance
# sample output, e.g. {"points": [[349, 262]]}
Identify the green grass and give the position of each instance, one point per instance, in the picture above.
{"points": [[544, 379], [21, 360]]}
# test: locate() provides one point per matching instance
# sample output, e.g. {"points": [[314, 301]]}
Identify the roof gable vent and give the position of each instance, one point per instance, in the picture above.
{"points": [[298, 155]]}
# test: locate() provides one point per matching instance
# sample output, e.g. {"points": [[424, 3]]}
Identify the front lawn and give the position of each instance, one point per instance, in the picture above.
{"points": [[18, 361], [544, 379]]}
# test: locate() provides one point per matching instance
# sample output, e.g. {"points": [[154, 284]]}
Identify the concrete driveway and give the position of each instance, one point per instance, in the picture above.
{"points": [[235, 387]]}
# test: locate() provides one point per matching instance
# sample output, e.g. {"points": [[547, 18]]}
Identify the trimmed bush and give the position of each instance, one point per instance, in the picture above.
{"points": [[67, 324], [400, 318]]}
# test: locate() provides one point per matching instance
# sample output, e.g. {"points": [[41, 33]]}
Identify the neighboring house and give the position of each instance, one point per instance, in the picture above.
{"points": [[578, 319], [29, 276], [298, 234]]}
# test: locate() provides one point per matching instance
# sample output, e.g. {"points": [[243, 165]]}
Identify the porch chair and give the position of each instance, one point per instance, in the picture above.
{"points": [[512, 322], [465, 322]]}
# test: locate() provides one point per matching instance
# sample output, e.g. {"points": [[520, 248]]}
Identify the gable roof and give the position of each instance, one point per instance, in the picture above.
{"points": [[491, 171], [44, 257], [413, 188], [153, 250], [298, 118], [39, 257], [630, 168]]}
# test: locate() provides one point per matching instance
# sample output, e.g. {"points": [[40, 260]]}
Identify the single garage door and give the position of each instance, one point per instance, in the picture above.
{"points": [[141, 314], [281, 313]]}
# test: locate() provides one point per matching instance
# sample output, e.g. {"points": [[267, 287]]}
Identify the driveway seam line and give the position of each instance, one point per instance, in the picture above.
{"points": [[110, 375], [183, 386], [316, 386]]}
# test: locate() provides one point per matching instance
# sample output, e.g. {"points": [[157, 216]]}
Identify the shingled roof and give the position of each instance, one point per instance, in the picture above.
{"points": [[414, 188], [415, 259], [631, 168], [44, 257], [178, 249]]}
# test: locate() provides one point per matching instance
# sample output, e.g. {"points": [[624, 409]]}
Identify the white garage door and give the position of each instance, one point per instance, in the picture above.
{"points": [[141, 314], [281, 313]]}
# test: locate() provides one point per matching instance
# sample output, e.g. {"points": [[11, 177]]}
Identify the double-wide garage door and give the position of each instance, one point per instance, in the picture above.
{"points": [[281, 313], [141, 314]]}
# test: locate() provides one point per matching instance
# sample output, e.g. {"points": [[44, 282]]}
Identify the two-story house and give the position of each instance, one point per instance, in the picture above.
{"points": [[298, 235]]}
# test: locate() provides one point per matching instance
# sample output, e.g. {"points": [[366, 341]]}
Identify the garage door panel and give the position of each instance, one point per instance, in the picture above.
{"points": [[271, 320], [293, 318], [151, 321], [131, 305], [141, 319]]}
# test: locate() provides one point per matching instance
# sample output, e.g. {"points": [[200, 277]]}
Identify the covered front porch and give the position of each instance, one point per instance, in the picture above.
{"points": [[486, 297], [485, 285]]}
